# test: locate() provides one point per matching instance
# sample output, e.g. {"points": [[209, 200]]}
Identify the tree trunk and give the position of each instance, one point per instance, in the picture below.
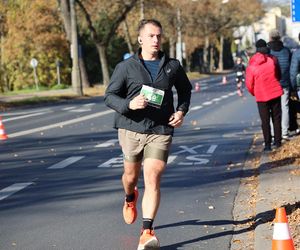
{"points": [[104, 63], [65, 14], [127, 37], [221, 67], [188, 63], [76, 80], [205, 54], [172, 47], [211, 59], [83, 73]]}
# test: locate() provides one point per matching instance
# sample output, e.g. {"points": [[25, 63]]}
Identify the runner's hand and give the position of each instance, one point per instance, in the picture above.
{"points": [[138, 102], [176, 119]]}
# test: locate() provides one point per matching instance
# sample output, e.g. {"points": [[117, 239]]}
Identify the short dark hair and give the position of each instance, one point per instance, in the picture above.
{"points": [[143, 22]]}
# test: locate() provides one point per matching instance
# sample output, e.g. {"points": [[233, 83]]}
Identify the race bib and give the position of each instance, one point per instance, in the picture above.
{"points": [[154, 96], [239, 73]]}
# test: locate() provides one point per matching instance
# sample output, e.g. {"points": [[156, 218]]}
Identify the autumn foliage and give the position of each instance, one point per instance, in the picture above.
{"points": [[40, 29]]}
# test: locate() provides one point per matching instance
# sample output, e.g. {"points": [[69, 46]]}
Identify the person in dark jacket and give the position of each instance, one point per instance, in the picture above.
{"points": [[140, 91], [283, 56], [239, 69], [262, 81], [294, 70]]}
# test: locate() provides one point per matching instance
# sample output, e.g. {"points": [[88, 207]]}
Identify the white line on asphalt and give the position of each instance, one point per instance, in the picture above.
{"points": [[89, 104], [106, 144], [66, 162], [80, 110], [69, 108], [197, 107], [8, 191], [25, 116], [171, 159], [25, 112], [207, 103], [60, 124]]}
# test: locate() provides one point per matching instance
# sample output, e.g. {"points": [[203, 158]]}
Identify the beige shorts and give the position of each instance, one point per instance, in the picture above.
{"points": [[136, 146]]}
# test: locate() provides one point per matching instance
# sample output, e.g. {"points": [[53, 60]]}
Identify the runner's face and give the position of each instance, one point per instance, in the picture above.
{"points": [[150, 39]]}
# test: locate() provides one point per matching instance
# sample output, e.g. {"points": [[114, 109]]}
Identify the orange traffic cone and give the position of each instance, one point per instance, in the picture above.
{"points": [[197, 86], [224, 80], [3, 136], [282, 239]]}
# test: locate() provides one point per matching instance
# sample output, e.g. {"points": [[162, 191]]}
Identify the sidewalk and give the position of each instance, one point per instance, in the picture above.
{"points": [[270, 180], [277, 187]]}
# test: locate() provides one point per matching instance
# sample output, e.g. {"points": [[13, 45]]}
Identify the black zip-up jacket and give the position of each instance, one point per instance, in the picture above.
{"points": [[126, 83]]}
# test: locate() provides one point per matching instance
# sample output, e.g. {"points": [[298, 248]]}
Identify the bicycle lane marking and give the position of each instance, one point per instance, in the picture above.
{"points": [[192, 156]]}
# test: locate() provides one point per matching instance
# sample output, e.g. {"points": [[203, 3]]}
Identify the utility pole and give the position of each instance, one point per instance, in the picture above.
{"points": [[76, 80]]}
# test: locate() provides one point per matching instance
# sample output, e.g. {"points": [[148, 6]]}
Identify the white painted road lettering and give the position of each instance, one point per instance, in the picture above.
{"points": [[195, 160], [113, 162]]}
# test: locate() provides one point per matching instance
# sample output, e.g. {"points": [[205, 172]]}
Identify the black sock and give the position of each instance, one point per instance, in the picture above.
{"points": [[130, 197], [147, 223]]}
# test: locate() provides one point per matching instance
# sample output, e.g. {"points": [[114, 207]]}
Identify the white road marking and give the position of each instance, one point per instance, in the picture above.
{"points": [[212, 149], [80, 110], [108, 143], [66, 162], [171, 158], [113, 162], [60, 124], [69, 108], [224, 96], [8, 191], [25, 112], [25, 116], [89, 104], [197, 107], [207, 103]]}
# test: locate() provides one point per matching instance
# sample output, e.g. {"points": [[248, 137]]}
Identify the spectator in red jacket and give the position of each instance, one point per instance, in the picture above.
{"points": [[262, 81]]}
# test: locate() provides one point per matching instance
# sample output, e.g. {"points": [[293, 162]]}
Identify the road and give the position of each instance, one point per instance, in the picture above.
{"points": [[60, 175]]}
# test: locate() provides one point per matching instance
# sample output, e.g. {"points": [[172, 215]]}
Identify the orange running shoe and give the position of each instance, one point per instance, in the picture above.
{"points": [[148, 240], [129, 209]]}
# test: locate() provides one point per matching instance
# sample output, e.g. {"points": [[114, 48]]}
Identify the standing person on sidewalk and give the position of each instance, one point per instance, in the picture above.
{"points": [[262, 81], [294, 71], [283, 56], [140, 91]]}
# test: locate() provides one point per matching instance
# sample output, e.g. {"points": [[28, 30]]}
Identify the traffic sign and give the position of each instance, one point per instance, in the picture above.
{"points": [[295, 10], [33, 63]]}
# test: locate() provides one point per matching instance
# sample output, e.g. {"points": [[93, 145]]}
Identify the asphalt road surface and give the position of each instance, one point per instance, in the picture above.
{"points": [[60, 175]]}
